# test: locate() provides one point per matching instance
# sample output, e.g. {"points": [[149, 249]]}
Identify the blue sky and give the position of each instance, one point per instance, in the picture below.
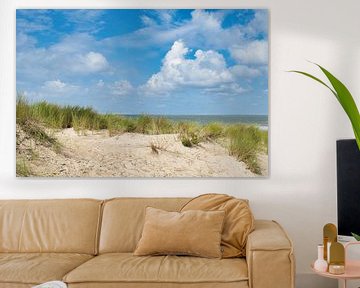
{"points": [[145, 61]]}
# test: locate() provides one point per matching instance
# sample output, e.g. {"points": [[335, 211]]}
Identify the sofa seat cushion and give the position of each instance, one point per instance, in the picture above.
{"points": [[127, 268], [36, 268]]}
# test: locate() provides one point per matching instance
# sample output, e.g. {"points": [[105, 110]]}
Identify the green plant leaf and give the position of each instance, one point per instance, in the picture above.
{"points": [[316, 79], [344, 97], [347, 102], [356, 236]]}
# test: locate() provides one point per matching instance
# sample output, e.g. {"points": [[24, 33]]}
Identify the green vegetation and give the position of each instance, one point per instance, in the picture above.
{"points": [[29, 123], [356, 236], [343, 95], [22, 169], [242, 141], [191, 133], [245, 143]]}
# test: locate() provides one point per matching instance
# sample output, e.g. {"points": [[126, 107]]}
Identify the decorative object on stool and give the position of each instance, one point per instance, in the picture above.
{"points": [[337, 258], [329, 236], [320, 264], [340, 266]]}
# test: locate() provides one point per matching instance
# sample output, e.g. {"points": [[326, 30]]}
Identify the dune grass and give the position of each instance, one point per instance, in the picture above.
{"points": [[245, 142], [242, 141], [22, 168], [29, 123]]}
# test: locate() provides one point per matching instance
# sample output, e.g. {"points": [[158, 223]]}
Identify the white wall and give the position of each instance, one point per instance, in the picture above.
{"points": [[305, 119]]}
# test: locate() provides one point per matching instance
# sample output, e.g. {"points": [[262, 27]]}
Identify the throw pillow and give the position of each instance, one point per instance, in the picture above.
{"points": [[196, 233]]}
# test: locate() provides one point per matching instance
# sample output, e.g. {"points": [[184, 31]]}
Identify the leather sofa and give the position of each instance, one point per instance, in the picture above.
{"points": [[89, 243]]}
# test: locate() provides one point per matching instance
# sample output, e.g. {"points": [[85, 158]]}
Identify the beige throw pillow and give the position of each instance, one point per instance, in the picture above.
{"points": [[194, 232], [239, 220]]}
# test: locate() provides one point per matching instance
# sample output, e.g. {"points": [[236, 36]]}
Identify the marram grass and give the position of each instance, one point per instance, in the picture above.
{"points": [[242, 141]]}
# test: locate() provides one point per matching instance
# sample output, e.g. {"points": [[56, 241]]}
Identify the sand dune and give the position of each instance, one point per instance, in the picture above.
{"points": [[132, 155]]}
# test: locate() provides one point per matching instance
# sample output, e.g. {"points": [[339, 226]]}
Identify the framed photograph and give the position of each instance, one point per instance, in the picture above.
{"points": [[142, 93]]}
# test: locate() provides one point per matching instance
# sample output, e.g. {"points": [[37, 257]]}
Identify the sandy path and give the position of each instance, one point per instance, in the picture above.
{"points": [[130, 155]]}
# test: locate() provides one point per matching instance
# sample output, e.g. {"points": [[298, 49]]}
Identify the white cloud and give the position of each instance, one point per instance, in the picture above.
{"points": [[55, 85], [74, 54], [258, 25], [255, 52], [33, 20], [100, 83], [147, 21], [154, 17], [24, 41], [204, 30], [58, 88], [207, 69], [225, 89], [85, 20], [91, 62], [245, 71], [165, 16], [121, 88], [74, 43]]}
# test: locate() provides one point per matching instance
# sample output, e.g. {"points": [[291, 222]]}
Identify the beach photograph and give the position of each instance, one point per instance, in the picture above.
{"points": [[142, 93]]}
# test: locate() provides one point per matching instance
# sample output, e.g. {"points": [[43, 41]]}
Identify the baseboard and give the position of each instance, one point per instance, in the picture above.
{"points": [[310, 280]]}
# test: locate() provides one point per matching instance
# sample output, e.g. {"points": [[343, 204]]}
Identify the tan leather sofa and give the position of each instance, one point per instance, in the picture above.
{"points": [[89, 243]]}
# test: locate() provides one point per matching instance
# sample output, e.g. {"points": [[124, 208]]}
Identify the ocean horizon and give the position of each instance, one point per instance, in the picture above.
{"points": [[257, 120]]}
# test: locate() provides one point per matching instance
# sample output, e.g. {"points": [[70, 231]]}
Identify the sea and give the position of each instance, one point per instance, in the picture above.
{"points": [[258, 120]]}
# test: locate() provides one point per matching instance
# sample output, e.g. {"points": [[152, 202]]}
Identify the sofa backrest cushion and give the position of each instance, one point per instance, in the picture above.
{"points": [[64, 226], [239, 220], [123, 220]]}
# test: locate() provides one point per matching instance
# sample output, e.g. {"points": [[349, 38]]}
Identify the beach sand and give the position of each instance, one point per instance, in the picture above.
{"points": [[96, 154]]}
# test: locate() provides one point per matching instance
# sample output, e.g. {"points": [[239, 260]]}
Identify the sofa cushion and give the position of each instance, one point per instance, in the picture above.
{"points": [[63, 226], [126, 268], [123, 220], [193, 232], [239, 220], [36, 268]]}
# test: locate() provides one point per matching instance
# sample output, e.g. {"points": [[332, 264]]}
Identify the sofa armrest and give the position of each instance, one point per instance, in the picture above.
{"points": [[269, 256]]}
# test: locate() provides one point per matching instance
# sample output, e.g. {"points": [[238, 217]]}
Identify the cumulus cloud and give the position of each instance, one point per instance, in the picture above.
{"points": [[73, 55], [55, 88], [54, 85], [91, 62], [245, 71], [254, 52], [258, 25], [207, 69], [121, 88]]}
